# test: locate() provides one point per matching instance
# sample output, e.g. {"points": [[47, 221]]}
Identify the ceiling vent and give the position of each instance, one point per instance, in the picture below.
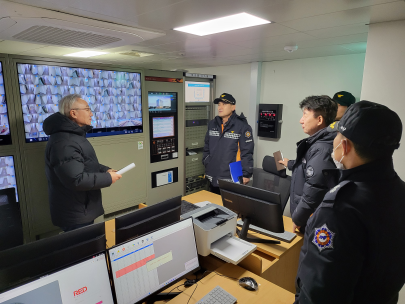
{"points": [[64, 37]]}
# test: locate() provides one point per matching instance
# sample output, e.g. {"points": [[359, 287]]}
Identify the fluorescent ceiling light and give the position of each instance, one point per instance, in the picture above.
{"points": [[222, 24], [85, 54]]}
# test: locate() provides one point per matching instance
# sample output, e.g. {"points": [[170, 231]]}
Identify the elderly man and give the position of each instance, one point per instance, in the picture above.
{"points": [[74, 174], [354, 242]]}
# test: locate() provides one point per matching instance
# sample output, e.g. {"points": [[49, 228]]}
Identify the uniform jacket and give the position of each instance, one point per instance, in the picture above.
{"points": [[359, 257], [308, 185], [221, 148], [74, 174]]}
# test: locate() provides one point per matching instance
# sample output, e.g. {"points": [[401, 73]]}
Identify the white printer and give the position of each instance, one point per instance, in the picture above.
{"points": [[215, 228]]}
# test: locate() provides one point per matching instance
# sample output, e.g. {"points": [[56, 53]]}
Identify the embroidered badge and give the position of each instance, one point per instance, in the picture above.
{"points": [[323, 238], [332, 125], [310, 171], [248, 134], [231, 135]]}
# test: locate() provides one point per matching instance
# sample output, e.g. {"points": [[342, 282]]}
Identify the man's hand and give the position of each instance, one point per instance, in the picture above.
{"points": [[111, 170], [114, 176], [246, 180], [296, 227], [284, 162]]}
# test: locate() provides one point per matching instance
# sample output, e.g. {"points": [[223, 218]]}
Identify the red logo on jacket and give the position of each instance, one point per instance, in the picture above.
{"points": [[80, 291]]}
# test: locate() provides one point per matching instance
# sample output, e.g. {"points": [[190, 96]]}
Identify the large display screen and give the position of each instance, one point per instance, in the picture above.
{"points": [[197, 91], [163, 126], [7, 174], [113, 96], [5, 136]]}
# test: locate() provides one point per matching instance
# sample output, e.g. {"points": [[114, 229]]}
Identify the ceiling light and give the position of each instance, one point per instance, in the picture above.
{"points": [[222, 24], [86, 54]]}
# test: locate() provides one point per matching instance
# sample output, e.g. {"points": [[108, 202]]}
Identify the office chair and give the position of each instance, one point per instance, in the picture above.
{"points": [[270, 179], [11, 231]]}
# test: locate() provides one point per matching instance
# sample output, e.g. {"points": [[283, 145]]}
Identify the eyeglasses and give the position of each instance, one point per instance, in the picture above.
{"points": [[86, 109]]}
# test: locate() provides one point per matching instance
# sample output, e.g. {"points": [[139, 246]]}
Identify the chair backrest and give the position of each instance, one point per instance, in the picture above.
{"points": [[270, 179]]}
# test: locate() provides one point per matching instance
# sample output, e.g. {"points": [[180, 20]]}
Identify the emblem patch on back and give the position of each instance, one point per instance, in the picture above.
{"points": [[323, 238], [310, 171]]}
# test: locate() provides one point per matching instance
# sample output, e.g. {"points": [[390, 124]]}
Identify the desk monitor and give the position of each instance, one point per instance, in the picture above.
{"points": [[148, 264], [256, 207], [25, 262], [86, 281], [147, 219]]}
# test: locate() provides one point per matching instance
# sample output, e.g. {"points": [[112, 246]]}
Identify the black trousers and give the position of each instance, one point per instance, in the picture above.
{"points": [[214, 189]]}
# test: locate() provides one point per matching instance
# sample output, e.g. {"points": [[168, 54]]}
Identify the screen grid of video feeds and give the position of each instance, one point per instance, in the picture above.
{"points": [[5, 136], [114, 98], [7, 175]]}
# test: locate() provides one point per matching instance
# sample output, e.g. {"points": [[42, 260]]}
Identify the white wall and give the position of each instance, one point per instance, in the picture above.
{"points": [[384, 79], [289, 82], [233, 79], [384, 75]]}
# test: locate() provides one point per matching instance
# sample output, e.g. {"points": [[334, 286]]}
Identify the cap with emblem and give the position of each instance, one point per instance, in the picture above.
{"points": [[344, 98], [371, 125], [226, 98]]}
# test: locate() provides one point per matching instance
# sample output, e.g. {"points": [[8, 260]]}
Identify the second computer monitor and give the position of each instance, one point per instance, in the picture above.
{"points": [[147, 219]]}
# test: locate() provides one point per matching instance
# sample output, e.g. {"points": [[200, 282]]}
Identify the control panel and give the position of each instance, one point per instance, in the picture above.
{"points": [[270, 120]]}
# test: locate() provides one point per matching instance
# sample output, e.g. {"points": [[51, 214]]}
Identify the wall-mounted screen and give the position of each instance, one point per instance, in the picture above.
{"points": [[5, 136], [163, 126], [7, 175], [114, 97], [197, 91], [161, 102]]}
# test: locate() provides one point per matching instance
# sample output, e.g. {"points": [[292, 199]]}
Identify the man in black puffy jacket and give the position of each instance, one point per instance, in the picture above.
{"points": [[74, 174], [229, 139], [308, 186]]}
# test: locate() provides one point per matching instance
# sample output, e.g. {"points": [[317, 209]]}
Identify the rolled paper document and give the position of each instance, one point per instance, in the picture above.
{"points": [[127, 168]]}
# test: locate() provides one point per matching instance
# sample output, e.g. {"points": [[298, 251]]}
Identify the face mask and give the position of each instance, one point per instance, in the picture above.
{"points": [[338, 164]]}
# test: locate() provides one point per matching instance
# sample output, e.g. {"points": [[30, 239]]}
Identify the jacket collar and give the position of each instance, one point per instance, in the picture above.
{"points": [[229, 123], [322, 135], [381, 169]]}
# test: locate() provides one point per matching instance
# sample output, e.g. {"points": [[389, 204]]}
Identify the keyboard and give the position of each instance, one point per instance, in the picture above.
{"points": [[217, 296], [187, 207]]}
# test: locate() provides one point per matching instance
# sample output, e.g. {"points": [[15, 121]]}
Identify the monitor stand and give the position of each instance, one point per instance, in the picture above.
{"points": [[162, 296], [243, 234]]}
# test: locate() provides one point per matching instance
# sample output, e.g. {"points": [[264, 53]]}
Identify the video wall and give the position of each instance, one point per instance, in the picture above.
{"points": [[7, 174], [114, 97], [5, 136]]}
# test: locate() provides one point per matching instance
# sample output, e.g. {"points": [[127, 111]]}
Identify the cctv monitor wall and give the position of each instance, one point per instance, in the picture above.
{"points": [[7, 176], [5, 136], [113, 96], [85, 282]]}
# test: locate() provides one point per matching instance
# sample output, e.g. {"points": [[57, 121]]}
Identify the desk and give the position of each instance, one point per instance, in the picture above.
{"points": [[267, 293], [280, 261]]}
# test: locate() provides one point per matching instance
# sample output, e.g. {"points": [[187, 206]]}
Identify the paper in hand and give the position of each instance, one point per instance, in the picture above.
{"points": [[126, 169], [278, 156]]}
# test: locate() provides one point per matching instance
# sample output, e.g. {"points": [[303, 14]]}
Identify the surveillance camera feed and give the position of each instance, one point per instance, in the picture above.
{"points": [[114, 97], [7, 177], [5, 136]]}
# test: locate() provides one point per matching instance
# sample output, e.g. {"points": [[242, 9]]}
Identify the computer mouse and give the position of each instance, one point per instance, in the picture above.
{"points": [[249, 283]]}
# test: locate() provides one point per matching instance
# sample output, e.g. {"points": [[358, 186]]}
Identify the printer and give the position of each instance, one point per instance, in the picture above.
{"points": [[215, 228]]}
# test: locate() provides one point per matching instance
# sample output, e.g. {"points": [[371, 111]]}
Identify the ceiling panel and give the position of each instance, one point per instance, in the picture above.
{"points": [[339, 30], [388, 12], [16, 47]]}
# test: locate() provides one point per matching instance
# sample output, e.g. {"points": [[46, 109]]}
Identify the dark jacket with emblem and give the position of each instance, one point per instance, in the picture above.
{"points": [[308, 186], [221, 148], [74, 174], [359, 257]]}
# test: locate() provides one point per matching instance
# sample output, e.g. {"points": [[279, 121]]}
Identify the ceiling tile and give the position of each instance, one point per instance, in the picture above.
{"points": [[388, 12], [16, 47], [339, 30]]}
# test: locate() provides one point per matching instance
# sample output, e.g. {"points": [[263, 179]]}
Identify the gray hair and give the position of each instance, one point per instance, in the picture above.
{"points": [[67, 102]]}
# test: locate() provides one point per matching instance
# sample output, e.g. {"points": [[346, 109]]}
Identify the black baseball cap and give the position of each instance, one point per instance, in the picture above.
{"points": [[372, 125], [225, 97], [344, 98]]}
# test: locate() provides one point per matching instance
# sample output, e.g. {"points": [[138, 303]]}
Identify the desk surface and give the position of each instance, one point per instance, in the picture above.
{"points": [[267, 293], [275, 250]]}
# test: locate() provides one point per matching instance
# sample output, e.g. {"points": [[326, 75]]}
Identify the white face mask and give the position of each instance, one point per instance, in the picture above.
{"points": [[338, 164]]}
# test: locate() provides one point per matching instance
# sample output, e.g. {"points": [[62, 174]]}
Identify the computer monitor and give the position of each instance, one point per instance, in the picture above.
{"points": [[145, 265], [25, 262], [163, 127], [87, 281], [256, 207], [147, 219], [5, 135], [197, 91], [162, 102], [115, 98]]}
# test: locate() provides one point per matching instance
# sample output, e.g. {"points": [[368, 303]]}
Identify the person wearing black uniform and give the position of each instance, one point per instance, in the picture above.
{"points": [[229, 139], [313, 155], [344, 100], [354, 243]]}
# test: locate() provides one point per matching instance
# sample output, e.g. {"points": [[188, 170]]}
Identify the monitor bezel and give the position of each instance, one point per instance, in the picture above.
{"points": [[166, 286]]}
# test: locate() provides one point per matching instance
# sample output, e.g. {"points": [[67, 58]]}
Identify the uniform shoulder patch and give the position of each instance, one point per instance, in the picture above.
{"points": [[323, 238], [248, 134]]}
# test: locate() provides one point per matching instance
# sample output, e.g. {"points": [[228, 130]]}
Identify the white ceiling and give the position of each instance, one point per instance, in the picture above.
{"points": [[318, 27]]}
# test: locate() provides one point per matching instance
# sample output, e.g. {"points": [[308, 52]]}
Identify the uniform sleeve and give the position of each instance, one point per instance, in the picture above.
{"points": [[206, 151], [331, 275], [246, 146], [68, 164], [104, 168], [315, 186], [290, 164]]}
